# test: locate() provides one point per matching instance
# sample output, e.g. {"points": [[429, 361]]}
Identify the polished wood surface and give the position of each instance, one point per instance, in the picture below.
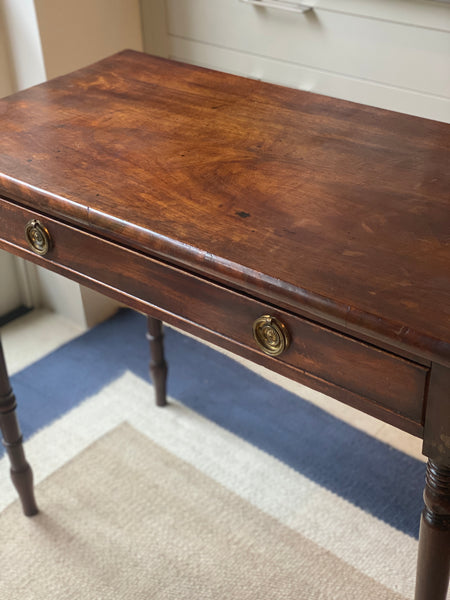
{"points": [[330, 209], [213, 200]]}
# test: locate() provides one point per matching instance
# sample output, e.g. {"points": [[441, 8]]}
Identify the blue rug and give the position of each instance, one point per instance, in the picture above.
{"points": [[367, 473]]}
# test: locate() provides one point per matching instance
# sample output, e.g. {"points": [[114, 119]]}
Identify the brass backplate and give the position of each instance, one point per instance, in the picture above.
{"points": [[271, 335], [38, 237]]}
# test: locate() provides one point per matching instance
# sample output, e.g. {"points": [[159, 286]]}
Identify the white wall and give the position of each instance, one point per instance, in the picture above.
{"points": [[24, 44], [75, 33], [6, 72]]}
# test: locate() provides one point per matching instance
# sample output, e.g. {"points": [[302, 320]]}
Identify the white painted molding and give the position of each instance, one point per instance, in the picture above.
{"points": [[27, 278], [6, 73], [22, 35], [80, 305], [154, 27], [432, 14]]}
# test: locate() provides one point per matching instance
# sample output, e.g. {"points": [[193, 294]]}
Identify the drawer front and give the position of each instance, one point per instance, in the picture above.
{"points": [[316, 352]]}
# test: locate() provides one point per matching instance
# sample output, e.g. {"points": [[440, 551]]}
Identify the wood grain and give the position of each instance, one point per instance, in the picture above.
{"points": [[327, 208]]}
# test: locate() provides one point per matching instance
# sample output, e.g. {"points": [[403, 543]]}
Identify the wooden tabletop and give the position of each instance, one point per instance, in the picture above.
{"points": [[328, 208]]}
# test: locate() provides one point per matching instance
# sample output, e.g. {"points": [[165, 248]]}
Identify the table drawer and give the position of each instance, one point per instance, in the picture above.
{"points": [[316, 355]]}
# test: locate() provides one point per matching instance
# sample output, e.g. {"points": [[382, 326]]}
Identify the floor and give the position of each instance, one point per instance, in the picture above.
{"points": [[39, 332]]}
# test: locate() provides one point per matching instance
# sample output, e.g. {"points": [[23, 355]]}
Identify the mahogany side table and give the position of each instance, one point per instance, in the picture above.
{"points": [[308, 234]]}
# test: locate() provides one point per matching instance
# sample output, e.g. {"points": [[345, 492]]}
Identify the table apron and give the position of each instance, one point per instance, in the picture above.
{"points": [[380, 383]]}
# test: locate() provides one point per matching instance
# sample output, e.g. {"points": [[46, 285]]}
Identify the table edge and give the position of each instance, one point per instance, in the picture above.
{"points": [[346, 318]]}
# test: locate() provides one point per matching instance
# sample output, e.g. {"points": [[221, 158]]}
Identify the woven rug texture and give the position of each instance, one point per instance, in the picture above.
{"points": [[236, 490]]}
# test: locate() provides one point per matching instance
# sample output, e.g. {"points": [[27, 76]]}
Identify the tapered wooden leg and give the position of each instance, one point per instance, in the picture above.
{"points": [[433, 567], [158, 365], [21, 474]]}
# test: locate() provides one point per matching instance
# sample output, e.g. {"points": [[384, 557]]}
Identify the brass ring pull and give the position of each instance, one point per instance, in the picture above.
{"points": [[271, 335], [38, 237]]}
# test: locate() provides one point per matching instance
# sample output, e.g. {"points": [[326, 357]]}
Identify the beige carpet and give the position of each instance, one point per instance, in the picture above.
{"points": [[126, 519]]}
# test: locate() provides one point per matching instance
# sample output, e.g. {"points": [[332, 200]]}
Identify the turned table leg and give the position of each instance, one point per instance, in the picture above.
{"points": [[158, 365], [433, 566], [21, 474]]}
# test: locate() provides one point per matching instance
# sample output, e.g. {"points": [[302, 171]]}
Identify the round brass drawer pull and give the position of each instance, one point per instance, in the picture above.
{"points": [[271, 335], [38, 237]]}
